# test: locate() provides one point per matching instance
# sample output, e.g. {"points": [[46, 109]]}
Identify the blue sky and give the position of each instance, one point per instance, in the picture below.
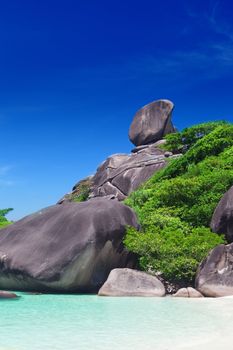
{"points": [[73, 73]]}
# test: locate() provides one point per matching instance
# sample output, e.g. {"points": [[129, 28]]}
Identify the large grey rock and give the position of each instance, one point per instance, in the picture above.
{"points": [[151, 123], [128, 282], [215, 274], [222, 220], [66, 248]]}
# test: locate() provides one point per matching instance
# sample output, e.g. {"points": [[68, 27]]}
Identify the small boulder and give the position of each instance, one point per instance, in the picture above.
{"points": [[168, 154], [181, 293], [7, 295], [151, 123], [128, 282], [215, 274], [222, 220], [187, 293], [193, 293]]}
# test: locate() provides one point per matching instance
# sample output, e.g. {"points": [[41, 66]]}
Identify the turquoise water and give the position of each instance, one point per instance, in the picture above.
{"points": [[81, 322]]}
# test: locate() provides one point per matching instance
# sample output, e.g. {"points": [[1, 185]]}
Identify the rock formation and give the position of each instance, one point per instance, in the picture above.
{"points": [[215, 275], [127, 282], [222, 220], [127, 176], [151, 123], [122, 174], [73, 247], [66, 248]]}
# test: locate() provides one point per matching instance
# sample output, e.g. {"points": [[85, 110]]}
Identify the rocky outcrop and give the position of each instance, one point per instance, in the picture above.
{"points": [[187, 293], [120, 179], [127, 282], [7, 295], [66, 248], [73, 247], [122, 174], [222, 220], [215, 274], [151, 123]]}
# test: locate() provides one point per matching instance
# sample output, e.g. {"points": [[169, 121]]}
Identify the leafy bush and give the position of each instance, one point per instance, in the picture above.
{"points": [[81, 191], [3, 220], [176, 205], [175, 249], [83, 194], [181, 142], [210, 145]]}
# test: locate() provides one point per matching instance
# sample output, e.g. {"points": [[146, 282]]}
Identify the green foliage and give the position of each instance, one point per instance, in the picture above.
{"points": [[173, 248], [81, 190], [210, 145], [82, 194], [181, 142], [3, 220], [176, 205]]}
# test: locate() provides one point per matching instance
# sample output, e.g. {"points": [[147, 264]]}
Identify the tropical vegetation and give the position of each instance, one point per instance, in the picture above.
{"points": [[176, 205]]}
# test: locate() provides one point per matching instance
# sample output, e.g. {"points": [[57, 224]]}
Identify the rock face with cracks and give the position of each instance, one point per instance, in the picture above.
{"points": [[66, 248], [122, 174]]}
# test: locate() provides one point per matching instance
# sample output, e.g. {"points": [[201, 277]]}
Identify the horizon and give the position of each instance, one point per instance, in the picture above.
{"points": [[74, 75]]}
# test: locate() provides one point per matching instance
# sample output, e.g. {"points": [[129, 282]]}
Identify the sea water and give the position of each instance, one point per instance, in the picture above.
{"points": [[88, 322]]}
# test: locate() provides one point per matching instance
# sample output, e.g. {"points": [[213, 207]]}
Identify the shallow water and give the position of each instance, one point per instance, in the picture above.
{"points": [[84, 322]]}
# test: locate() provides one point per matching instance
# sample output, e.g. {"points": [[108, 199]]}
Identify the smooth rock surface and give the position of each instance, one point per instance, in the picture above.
{"points": [[193, 293], [187, 293], [181, 293], [128, 282], [222, 220], [7, 295], [151, 123], [66, 248], [215, 274]]}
